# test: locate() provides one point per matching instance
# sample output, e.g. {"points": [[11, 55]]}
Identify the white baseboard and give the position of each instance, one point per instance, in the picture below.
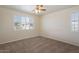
{"points": [[19, 39], [47, 36], [60, 39]]}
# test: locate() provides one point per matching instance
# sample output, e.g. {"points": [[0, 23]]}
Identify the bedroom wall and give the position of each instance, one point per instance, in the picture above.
{"points": [[57, 25], [7, 32], [0, 28]]}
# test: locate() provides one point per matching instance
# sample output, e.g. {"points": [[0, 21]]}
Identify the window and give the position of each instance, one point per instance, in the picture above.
{"points": [[22, 23], [75, 21]]}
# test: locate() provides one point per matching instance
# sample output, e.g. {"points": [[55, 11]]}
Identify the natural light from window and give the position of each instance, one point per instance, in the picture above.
{"points": [[22, 23], [75, 21]]}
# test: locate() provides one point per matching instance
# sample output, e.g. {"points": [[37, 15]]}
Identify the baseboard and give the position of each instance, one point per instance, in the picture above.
{"points": [[47, 36], [60, 39], [20, 39]]}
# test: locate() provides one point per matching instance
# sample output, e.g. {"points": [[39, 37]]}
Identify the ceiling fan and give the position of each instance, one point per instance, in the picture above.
{"points": [[39, 9]]}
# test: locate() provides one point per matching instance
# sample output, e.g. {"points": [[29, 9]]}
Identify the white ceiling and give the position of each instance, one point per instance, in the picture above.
{"points": [[29, 8]]}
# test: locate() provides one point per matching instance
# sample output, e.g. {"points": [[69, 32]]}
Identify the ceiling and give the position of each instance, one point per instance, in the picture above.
{"points": [[29, 8]]}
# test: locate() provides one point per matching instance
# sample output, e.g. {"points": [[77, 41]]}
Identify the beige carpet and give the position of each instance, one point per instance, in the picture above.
{"points": [[38, 45]]}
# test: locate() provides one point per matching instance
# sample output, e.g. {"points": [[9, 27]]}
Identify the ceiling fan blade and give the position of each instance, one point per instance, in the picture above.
{"points": [[43, 9]]}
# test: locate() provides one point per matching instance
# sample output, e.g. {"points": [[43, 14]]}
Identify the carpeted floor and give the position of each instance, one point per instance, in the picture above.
{"points": [[38, 45]]}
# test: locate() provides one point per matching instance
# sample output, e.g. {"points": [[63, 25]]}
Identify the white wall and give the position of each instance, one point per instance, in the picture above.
{"points": [[0, 28], [57, 26], [7, 32]]}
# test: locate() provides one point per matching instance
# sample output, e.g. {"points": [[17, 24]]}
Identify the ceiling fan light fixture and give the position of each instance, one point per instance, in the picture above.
{"points": [[39, 9]]}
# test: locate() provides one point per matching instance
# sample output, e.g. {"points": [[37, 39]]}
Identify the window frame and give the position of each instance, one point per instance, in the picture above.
{"points": [[75, 21], [21, 22]]}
